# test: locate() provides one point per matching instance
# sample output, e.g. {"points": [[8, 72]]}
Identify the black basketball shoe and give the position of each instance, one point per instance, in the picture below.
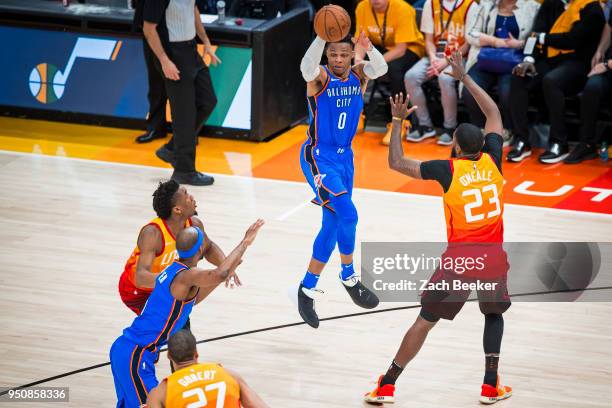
{"points": [[306, 306], [361, 295]]}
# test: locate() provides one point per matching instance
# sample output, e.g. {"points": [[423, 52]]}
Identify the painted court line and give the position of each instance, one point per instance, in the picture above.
{"points": [[587, 214], [292, 211], [288, 325]]}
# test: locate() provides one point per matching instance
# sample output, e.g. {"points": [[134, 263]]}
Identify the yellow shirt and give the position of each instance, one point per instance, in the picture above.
{"points": [[454, 33], [401, 26], [200, 385]]}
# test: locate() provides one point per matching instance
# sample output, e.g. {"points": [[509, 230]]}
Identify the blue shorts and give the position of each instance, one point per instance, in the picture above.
{"points": [[133, 370], [329, 170]]}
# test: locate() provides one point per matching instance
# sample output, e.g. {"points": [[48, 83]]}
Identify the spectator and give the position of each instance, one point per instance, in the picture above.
{"points": [[170, 27], [567, 39], [444, 24], [500, 24], [596, 93], [392, 28], [156, 118]]}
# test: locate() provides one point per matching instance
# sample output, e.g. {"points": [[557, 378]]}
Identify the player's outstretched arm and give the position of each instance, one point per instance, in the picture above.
{"points": [[376, 66], [485, 102], [248, 396], [397, 161], [149, 243], [313, 74], [157, 396], [207, 280]]}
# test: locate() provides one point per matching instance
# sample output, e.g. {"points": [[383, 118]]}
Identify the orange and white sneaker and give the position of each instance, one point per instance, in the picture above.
{"points": [[381, 395], [490, 395]]}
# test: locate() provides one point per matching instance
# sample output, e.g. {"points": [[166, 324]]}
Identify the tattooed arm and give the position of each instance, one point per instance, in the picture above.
{"points": [[397, 161]]}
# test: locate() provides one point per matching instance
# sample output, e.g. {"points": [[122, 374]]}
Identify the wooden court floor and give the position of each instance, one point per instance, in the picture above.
{"points": [[68, 225]]}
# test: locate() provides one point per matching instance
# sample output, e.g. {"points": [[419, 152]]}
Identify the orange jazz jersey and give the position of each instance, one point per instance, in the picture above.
{"points": [[201, 385], [133, 296], [473, 203]]}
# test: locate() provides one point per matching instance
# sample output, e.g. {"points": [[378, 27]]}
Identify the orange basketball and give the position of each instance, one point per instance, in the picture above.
{"points": [[332, 23]]}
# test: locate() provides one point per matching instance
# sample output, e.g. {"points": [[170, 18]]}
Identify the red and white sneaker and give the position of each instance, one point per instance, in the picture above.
{"points": [[381, 395], [490, 395]]}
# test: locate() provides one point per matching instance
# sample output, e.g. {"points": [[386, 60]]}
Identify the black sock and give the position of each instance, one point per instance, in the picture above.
{"points": [[492, 337], [393, 373], [490, 376]]}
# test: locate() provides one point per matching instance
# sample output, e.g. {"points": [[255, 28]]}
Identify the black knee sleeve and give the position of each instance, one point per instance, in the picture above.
{"points": [[430, 317], [493, 333]]}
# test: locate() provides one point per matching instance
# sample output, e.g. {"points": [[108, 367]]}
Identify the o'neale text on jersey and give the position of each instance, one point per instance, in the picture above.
{"points": [[475, 176]]}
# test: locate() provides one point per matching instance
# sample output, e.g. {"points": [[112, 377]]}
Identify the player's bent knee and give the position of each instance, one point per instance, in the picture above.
{"points": [[351, 218], [493, 308], [346, 210], [428, 316]]}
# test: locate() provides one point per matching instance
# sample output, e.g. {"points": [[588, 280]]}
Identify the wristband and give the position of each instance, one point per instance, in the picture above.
{"points": [[397, 118], [529, 59]]}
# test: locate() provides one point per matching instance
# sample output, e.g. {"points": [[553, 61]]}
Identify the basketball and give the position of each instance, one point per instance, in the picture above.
{"points": [[332, 23]]}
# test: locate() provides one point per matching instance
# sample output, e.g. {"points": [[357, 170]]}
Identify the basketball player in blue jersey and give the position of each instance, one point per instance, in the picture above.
{"points": [[335, 101], [177, 288]]}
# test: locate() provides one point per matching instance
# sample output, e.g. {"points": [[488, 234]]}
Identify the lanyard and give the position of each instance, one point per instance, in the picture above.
{"points": [[450, 16], [383, 31], [486, 24]]}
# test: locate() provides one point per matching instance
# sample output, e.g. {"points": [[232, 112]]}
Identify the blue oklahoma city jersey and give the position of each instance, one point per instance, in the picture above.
{"points": [[163, 314], [335, 110], [134, 354]]}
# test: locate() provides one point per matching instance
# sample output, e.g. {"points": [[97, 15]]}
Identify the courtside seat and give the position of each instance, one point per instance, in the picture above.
{"points": [[376, 105]]}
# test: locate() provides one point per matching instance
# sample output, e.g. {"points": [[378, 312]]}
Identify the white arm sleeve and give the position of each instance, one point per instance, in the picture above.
{"points": [[376, 66], [312, 59]]}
